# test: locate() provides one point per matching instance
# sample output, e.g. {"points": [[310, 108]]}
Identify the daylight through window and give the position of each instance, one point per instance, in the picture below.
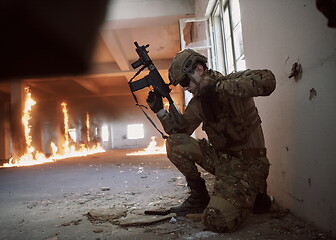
{"points": [[135, 131], [227, 37]]}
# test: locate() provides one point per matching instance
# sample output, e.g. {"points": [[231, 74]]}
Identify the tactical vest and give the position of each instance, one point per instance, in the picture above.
{"points": [[227, 130]]}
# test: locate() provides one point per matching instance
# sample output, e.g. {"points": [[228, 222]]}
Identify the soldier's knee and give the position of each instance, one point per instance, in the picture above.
{"points": [[176, 140], [221, 216]]}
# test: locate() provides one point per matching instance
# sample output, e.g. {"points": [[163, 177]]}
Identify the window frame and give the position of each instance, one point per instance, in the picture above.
{"points": [[218, 13], [208, 48]]}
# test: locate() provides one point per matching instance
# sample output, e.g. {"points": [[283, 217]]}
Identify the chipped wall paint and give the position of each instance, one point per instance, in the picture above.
{"points": [[296, 71]]}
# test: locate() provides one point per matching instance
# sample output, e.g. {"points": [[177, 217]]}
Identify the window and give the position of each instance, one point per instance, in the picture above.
{"points": [[105, 133], [195, 34], [227, 37], [217, 35], [135, 131], [217, 38]]}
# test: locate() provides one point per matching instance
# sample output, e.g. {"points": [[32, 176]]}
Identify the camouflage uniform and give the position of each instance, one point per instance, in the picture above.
{"points": [[235, 150]]}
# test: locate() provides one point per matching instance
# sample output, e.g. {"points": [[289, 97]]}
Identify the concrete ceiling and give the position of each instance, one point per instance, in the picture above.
{"points": [[153, 22]]}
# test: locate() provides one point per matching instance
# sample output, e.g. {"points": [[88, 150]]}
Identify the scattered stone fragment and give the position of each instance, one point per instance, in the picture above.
{"points": [[31, 205], [105, 188], [106, 215], [98, 230], [83, 200], [75, 222], [205, 234], [144, 220]]}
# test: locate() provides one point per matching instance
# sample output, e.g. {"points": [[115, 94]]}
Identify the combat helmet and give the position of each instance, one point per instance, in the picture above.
{"points": [[183, 63]]}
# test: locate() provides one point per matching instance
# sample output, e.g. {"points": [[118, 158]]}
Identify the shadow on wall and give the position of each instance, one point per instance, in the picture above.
{"points": [[328, 8]]}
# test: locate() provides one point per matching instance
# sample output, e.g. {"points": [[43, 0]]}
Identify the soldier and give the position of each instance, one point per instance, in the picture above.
{"points": [[234, 152]]}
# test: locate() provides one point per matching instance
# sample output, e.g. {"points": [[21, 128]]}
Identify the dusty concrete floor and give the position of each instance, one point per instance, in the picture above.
{"points": [[51, 201]]}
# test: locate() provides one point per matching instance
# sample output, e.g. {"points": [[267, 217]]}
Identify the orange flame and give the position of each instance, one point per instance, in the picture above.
{"points": [[88, 127], [152, 148], [29, 103], [66, 125], [33, 158]]}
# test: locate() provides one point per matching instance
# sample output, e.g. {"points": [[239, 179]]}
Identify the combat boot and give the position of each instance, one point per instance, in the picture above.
{"points": [[196, 202]]}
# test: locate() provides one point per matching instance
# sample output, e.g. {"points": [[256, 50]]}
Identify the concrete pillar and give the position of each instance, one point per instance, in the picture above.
{"points": [[59, 127], [17, 129], [36, 126], [110, 142], [50, 127], [4, 131], [46, 137], [83, 130], [42, 115]]}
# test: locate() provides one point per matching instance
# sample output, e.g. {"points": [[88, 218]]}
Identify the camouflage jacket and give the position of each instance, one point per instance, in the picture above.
{"points": [[230, 118]]}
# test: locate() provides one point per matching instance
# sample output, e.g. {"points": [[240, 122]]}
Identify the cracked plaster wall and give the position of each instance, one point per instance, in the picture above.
{"points": [[299, 117]]}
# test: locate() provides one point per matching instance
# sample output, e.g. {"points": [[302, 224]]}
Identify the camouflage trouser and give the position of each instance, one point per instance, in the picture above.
{"points": [[237, 181]]}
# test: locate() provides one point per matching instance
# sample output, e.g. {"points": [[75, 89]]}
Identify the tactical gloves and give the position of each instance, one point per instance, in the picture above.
{"points": [[154, 101]]}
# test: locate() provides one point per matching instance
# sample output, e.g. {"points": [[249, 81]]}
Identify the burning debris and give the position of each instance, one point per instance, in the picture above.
{"points": [[151, 149], [32, 157]]}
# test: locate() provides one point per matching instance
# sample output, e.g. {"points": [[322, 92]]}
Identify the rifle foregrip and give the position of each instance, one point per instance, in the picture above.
{"points": [[139, 84]]}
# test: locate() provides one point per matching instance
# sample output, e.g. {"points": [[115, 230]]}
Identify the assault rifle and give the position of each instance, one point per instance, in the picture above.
{"points": [[154, 80]]}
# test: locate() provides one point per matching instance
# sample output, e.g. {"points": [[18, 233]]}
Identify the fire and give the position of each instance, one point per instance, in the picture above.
{"points": [[66, 125], [88, 127], [151, 149], [53, 148], [32, 157], [29, 103]]}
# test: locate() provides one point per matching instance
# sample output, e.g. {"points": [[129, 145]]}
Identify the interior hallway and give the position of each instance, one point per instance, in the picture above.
{"points": [[49, 201]]}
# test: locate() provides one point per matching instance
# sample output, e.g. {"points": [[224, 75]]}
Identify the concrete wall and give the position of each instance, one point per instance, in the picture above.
{"points": [[119, 134], [299, 117], [299, 128], [127, 113]]}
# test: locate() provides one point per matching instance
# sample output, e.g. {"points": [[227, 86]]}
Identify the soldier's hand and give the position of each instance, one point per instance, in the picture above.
{"points": [[154, 101]]}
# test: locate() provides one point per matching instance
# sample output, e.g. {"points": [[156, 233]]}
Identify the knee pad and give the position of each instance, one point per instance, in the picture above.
{"points": [[221, 216]]}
